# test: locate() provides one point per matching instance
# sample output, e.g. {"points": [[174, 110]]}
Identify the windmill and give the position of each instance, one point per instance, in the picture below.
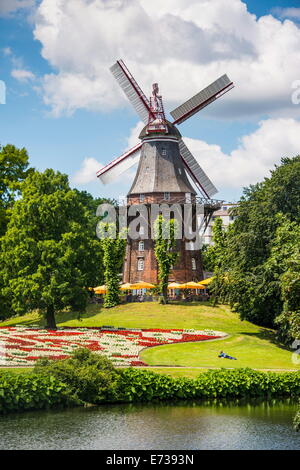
{"points": [[166, 167]]}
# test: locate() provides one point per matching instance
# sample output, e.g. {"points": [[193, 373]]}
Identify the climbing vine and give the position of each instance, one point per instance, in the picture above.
{"points": [[165, 243], [113, 245]]}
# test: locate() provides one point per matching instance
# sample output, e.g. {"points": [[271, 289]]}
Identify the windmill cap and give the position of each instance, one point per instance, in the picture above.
{"points": [[172, 131]]}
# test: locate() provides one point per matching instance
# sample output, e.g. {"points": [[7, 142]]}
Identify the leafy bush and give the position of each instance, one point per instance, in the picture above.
{"points": [[90, 377], [31, 391], [246, 383], [141, 385]]}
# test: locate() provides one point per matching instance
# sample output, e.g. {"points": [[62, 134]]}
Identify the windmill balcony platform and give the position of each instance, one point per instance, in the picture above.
{"points": [[211, 205]]}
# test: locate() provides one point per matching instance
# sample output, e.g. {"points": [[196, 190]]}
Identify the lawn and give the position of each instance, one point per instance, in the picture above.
{"points": [[253, 346]]}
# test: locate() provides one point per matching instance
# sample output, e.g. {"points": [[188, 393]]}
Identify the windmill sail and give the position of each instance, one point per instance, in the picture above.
{"points": [[112, 170], [132, 90], [196, 172], [202, 99]]}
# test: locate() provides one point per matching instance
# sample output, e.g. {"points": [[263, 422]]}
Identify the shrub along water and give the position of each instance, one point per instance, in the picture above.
{"points": [[88, 378], [141, 385], [32, 392]]}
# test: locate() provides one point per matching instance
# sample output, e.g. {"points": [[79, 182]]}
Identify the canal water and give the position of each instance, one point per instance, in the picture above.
{"points": [[176, 426]]}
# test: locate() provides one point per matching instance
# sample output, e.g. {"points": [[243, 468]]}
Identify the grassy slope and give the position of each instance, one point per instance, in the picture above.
{"points": [[252, 345]]}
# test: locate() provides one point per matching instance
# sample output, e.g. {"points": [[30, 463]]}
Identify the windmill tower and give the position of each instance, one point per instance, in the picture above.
{"points": [[167, 173]]}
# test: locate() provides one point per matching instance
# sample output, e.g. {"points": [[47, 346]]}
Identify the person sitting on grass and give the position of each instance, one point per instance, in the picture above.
{"points": [[225, 356]]}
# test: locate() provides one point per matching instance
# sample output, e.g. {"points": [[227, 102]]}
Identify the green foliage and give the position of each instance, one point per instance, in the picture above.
{"points": [[113, 246], [213, 255], [20, 392], [165, 243], [49, 254], [259, 271], [90, 378], [141, 385], [13, 170]]}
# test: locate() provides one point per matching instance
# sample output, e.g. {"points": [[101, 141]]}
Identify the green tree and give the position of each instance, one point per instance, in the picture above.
{"points": [[48, 254], [285, 262], [13, 170], [213, 256], [165, 243], [113, 246], [252, 281]]}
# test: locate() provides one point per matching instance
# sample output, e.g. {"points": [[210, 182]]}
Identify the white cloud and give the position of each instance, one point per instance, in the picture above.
{"points": [[87, 172], [7, 51], [90, 166], [22, 75], [182, 45], [10, 6], [287, 12], [133, 138], [255, 156]]}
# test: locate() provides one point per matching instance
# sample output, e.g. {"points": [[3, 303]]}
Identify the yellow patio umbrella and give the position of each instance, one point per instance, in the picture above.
{"points": [[125, 286], [173, 285], [183, 286], [191, 285], [207, 281], [100, 289], [200, 286], [141, 285]]}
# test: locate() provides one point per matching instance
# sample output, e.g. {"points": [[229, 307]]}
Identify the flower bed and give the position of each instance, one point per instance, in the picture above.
{"points": [[21, 346]]}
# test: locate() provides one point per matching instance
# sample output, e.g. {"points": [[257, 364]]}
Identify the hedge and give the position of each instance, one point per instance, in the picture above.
{"points": [[141, 385], [32, 392]]}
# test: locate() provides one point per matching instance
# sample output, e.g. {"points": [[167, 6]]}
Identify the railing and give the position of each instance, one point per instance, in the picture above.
{"points": [[198, 200]]}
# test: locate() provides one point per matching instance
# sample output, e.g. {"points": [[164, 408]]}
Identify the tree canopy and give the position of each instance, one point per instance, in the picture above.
{"points": [[13, 170], [48, 254], [258, 272]]}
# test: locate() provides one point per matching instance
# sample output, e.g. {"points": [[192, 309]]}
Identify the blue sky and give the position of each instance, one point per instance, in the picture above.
{"points": [[62, 104]]}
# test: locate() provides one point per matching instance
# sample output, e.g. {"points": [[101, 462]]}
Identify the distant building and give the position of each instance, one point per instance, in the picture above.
{"points": [[224, 214]]}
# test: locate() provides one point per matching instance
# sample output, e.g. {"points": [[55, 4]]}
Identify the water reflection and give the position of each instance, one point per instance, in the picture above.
{"points": [[185, 425]]}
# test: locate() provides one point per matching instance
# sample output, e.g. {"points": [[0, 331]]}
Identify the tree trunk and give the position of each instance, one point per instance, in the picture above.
{"points": [[50, 318], [165, 294]]}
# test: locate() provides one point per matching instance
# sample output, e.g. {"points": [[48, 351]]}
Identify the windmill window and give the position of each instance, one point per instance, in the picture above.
{"points": [[166, 196], [140, 265], [194, 267], [142, 197], [164, 152], [141, 246]]}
